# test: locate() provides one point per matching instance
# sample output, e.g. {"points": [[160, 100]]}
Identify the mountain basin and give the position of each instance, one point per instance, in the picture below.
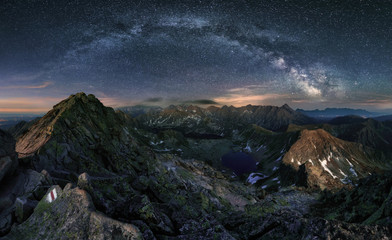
{"points": [[239, 162]]}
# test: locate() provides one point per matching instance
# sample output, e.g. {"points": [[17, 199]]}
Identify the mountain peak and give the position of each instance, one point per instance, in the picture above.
{"points": [[287, 107], [77, 99], [77, 111], [323, 161]]}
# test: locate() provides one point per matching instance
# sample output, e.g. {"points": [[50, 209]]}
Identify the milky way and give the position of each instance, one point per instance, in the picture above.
{"points": [[309, 55]]}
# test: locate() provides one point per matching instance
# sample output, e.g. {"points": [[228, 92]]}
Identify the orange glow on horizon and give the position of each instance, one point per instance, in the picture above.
{"points": [[23, 110]]}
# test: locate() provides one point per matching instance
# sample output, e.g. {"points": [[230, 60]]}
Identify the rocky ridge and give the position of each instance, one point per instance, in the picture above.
{"points": [[221, 121], [80, 134]]}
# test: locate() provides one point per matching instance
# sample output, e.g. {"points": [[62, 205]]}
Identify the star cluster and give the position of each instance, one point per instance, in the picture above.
{"points": [[309, 54]]}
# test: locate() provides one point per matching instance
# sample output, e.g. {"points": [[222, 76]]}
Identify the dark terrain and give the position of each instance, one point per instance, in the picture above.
{"points": [[167, 173]]}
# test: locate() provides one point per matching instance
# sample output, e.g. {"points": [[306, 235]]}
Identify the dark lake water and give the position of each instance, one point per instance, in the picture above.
{"points": [[239, 162]]}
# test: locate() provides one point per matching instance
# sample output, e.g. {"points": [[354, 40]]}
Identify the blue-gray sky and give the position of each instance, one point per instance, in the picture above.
{"points": [[308, 54]]}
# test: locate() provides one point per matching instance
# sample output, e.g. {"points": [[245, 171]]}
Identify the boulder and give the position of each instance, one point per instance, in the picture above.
{"points": [[24, 208], [71, 215], [84, 182], [28, 186]]}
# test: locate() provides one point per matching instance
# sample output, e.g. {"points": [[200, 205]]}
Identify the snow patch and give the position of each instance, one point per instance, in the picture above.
{"points": [[292, 160], [349, 162], [247, 148], [310, 160], [254, 177], [324, 164], [279, 158], [353, 172], [341, 172], [329, 156], [262, 146]]}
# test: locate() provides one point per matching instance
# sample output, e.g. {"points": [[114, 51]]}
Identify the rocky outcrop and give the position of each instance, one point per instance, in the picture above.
{"points": [[319, 160], [288, 224], [175, 198], [368, 203], [20, 192], [71, 215], [8, 166]]}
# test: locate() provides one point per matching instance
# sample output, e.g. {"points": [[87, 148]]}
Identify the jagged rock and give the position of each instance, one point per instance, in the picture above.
{"points": [[14, 182], [6, 222], [8, 161], [7, 167], [25, 184], [84, 182], [71, 215], [368, 203], [158, 221]]}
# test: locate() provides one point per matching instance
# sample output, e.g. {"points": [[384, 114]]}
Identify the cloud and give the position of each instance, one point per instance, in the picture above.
{"points": [[27, 105], [239, 100], [249, 88], [25, 77], [252, 94], [203, 102], [43, 85], [116, 102]]}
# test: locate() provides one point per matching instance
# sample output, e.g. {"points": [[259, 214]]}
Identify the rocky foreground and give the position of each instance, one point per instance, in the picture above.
{"points": [[85, 171]]}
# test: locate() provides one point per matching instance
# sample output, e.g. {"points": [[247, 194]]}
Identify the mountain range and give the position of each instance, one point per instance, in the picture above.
{"points": [[330, 113], [158, 173]]}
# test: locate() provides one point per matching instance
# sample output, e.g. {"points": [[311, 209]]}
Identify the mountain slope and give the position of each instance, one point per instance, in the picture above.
{"points": [[80, 134], [320, 160]]}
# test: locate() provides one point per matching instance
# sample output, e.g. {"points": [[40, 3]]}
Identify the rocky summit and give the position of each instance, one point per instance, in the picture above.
{"points": [[319, 160], [86, 171]]}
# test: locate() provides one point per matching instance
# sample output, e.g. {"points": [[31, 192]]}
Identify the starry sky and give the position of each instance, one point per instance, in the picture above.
{"points": [[308, 54]]}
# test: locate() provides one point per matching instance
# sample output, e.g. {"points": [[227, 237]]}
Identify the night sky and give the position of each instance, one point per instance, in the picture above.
{"points": [[308, 54]]}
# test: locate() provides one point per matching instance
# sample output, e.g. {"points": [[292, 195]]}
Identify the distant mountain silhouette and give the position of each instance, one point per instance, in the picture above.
{"points": [[330, 113]]}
